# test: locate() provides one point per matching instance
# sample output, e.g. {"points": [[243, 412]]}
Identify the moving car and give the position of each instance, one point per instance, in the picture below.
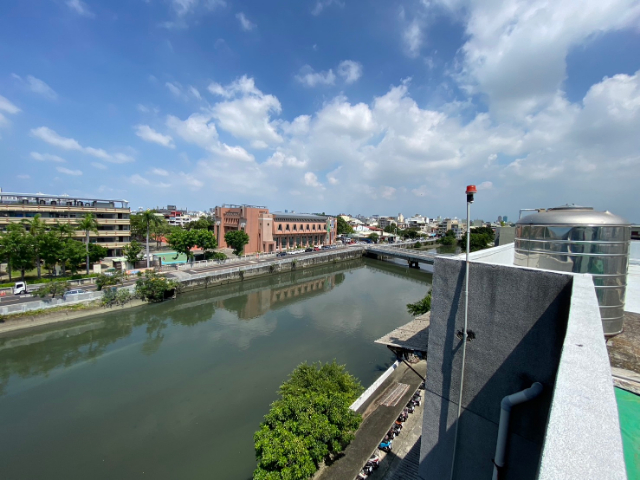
{"points": [[77, 291]]}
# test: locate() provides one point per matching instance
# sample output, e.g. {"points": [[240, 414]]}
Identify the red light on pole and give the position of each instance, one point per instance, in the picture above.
{"points": [[471, 189]]}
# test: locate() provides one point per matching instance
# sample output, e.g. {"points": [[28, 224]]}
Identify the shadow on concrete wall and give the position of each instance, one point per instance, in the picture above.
{"points": [[518, 318]]}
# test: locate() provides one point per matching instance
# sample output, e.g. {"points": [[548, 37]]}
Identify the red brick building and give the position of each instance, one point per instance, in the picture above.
{"points": [[272, 232]]}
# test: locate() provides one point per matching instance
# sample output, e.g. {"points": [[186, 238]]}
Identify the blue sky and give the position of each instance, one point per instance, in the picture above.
{"points": [[324, 105]]}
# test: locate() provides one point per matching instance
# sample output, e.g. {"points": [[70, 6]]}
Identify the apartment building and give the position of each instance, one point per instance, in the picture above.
{"points": [[113, 216]]}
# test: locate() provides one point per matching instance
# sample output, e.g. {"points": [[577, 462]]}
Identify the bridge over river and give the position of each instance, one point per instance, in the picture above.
{"points": [[405, 251]]}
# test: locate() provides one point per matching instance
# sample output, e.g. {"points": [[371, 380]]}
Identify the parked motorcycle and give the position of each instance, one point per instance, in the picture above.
{"points": [[411, 407], [386, 446], [361, 476], [374, 461], [397, 428]]}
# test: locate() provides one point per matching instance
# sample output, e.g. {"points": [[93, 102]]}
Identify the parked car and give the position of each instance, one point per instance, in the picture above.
{"points": [[316, 249], [77, 291], [308, 249], [281, 254], [20, 288]]}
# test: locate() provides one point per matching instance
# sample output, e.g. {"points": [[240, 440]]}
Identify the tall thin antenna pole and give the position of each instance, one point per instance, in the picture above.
{"points": [[471, 190]]}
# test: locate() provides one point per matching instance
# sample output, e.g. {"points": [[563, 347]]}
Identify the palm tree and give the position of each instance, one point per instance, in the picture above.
{"points": [[150, 218], [65, 231], [88, 224], [36, 228]]}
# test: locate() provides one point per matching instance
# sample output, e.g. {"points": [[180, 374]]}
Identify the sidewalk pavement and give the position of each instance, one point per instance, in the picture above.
{"points": [[378, 419]]}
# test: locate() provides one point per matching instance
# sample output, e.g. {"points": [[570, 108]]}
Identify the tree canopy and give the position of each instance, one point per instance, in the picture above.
{"points": [[421, 306], [133, 251], [310, 422], [183, 241], [481, 237], [236, 239], [343, 227]]}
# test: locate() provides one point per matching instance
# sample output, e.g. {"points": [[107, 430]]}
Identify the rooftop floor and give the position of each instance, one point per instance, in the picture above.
{"points": [[412, 336], [624, 349]]}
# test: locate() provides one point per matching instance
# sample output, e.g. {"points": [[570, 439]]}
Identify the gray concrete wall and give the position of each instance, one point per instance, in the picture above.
{"points": [[505, 235], [518, 318]]}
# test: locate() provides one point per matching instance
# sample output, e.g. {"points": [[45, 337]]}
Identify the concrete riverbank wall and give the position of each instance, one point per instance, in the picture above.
{"points": [[245, 272]]}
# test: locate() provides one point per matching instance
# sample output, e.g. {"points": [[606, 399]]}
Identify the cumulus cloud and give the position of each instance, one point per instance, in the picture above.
{"points": [[52, 138], [485, 185], [159, 171], [311, 180], [310, 78], [245, 23], [413, 37], [148, 134], [7, 106], [68, 171], [349, 70], [98, 165]]}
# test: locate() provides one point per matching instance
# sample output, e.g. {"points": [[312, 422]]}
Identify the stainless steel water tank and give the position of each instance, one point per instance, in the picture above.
{"points": [[580, 240]]}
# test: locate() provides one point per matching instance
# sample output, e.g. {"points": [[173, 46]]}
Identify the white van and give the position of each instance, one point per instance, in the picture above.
{"points": [[20, 288]]}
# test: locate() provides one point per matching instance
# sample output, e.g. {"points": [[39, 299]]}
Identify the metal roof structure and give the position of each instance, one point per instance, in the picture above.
{"points": [[412, 336], [573, 215]]}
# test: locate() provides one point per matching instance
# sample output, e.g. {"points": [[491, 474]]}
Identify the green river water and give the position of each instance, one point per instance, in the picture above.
{"points": [[176, 390]]}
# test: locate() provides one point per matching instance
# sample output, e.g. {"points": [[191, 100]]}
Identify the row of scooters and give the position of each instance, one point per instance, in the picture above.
{"points": [[387, 442]]}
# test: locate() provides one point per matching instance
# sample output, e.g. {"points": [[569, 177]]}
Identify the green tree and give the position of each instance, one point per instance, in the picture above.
{"points": [[449, 238], [96, 252], [203, 223], [73, 254], [310, 422], [481, 237], [55, 289], [132, 251], [421, 306], [236, 239], [391, 228], [138, 228], [65, 233], [183, 241], [343, 227], [374, 237], [50, 246], [206, 240], [108, 280], [18, 248], [153, 287], [150, 219], [88, 224], [411, 233], [36, 228]]}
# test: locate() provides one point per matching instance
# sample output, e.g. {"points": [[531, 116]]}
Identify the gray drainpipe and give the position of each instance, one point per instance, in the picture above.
{"points": [[503, 429]]}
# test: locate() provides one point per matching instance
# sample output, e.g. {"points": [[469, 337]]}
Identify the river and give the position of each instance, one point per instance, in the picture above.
{"points": [[177, 389]]}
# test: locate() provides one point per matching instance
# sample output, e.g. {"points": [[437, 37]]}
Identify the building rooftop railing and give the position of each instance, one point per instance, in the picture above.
{"points": [[14, 198]]}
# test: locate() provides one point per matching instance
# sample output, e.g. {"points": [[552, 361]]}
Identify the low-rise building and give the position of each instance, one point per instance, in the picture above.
{"points": [[271, 232], [112, 216]]}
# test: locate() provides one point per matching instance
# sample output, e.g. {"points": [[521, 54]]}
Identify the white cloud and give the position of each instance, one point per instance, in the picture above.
{"points": [[388, 193], [80, 8], [148, 134], [311, 180], [485, 185], [46, 157], [37, 86], [279, 159], [52, 138], [194, 91], [311, 78], [99, 166], [516, 50], [7, 106], [159, 171], [197, 129], [138, 180], [23, 176], [68, 171], [245, 23], [248, 115], [176, 89], [322, 4], [349, 70], [413, 38]]}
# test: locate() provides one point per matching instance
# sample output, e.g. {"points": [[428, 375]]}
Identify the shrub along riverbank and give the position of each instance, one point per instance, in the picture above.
{"points": [[310, 423]]}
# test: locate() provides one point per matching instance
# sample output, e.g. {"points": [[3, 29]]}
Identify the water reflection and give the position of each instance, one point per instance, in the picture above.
{"points": [[32, 354]]}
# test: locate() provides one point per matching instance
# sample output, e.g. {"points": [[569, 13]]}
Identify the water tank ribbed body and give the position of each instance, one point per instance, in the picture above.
{"points": [[580, 240]]}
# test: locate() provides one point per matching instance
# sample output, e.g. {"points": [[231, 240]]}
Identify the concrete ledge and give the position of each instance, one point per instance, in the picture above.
{"points": [[583, 433], [374, 386]]}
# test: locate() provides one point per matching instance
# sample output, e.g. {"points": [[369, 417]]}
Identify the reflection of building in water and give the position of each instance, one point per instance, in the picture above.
{"points": [[254, 304]]}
